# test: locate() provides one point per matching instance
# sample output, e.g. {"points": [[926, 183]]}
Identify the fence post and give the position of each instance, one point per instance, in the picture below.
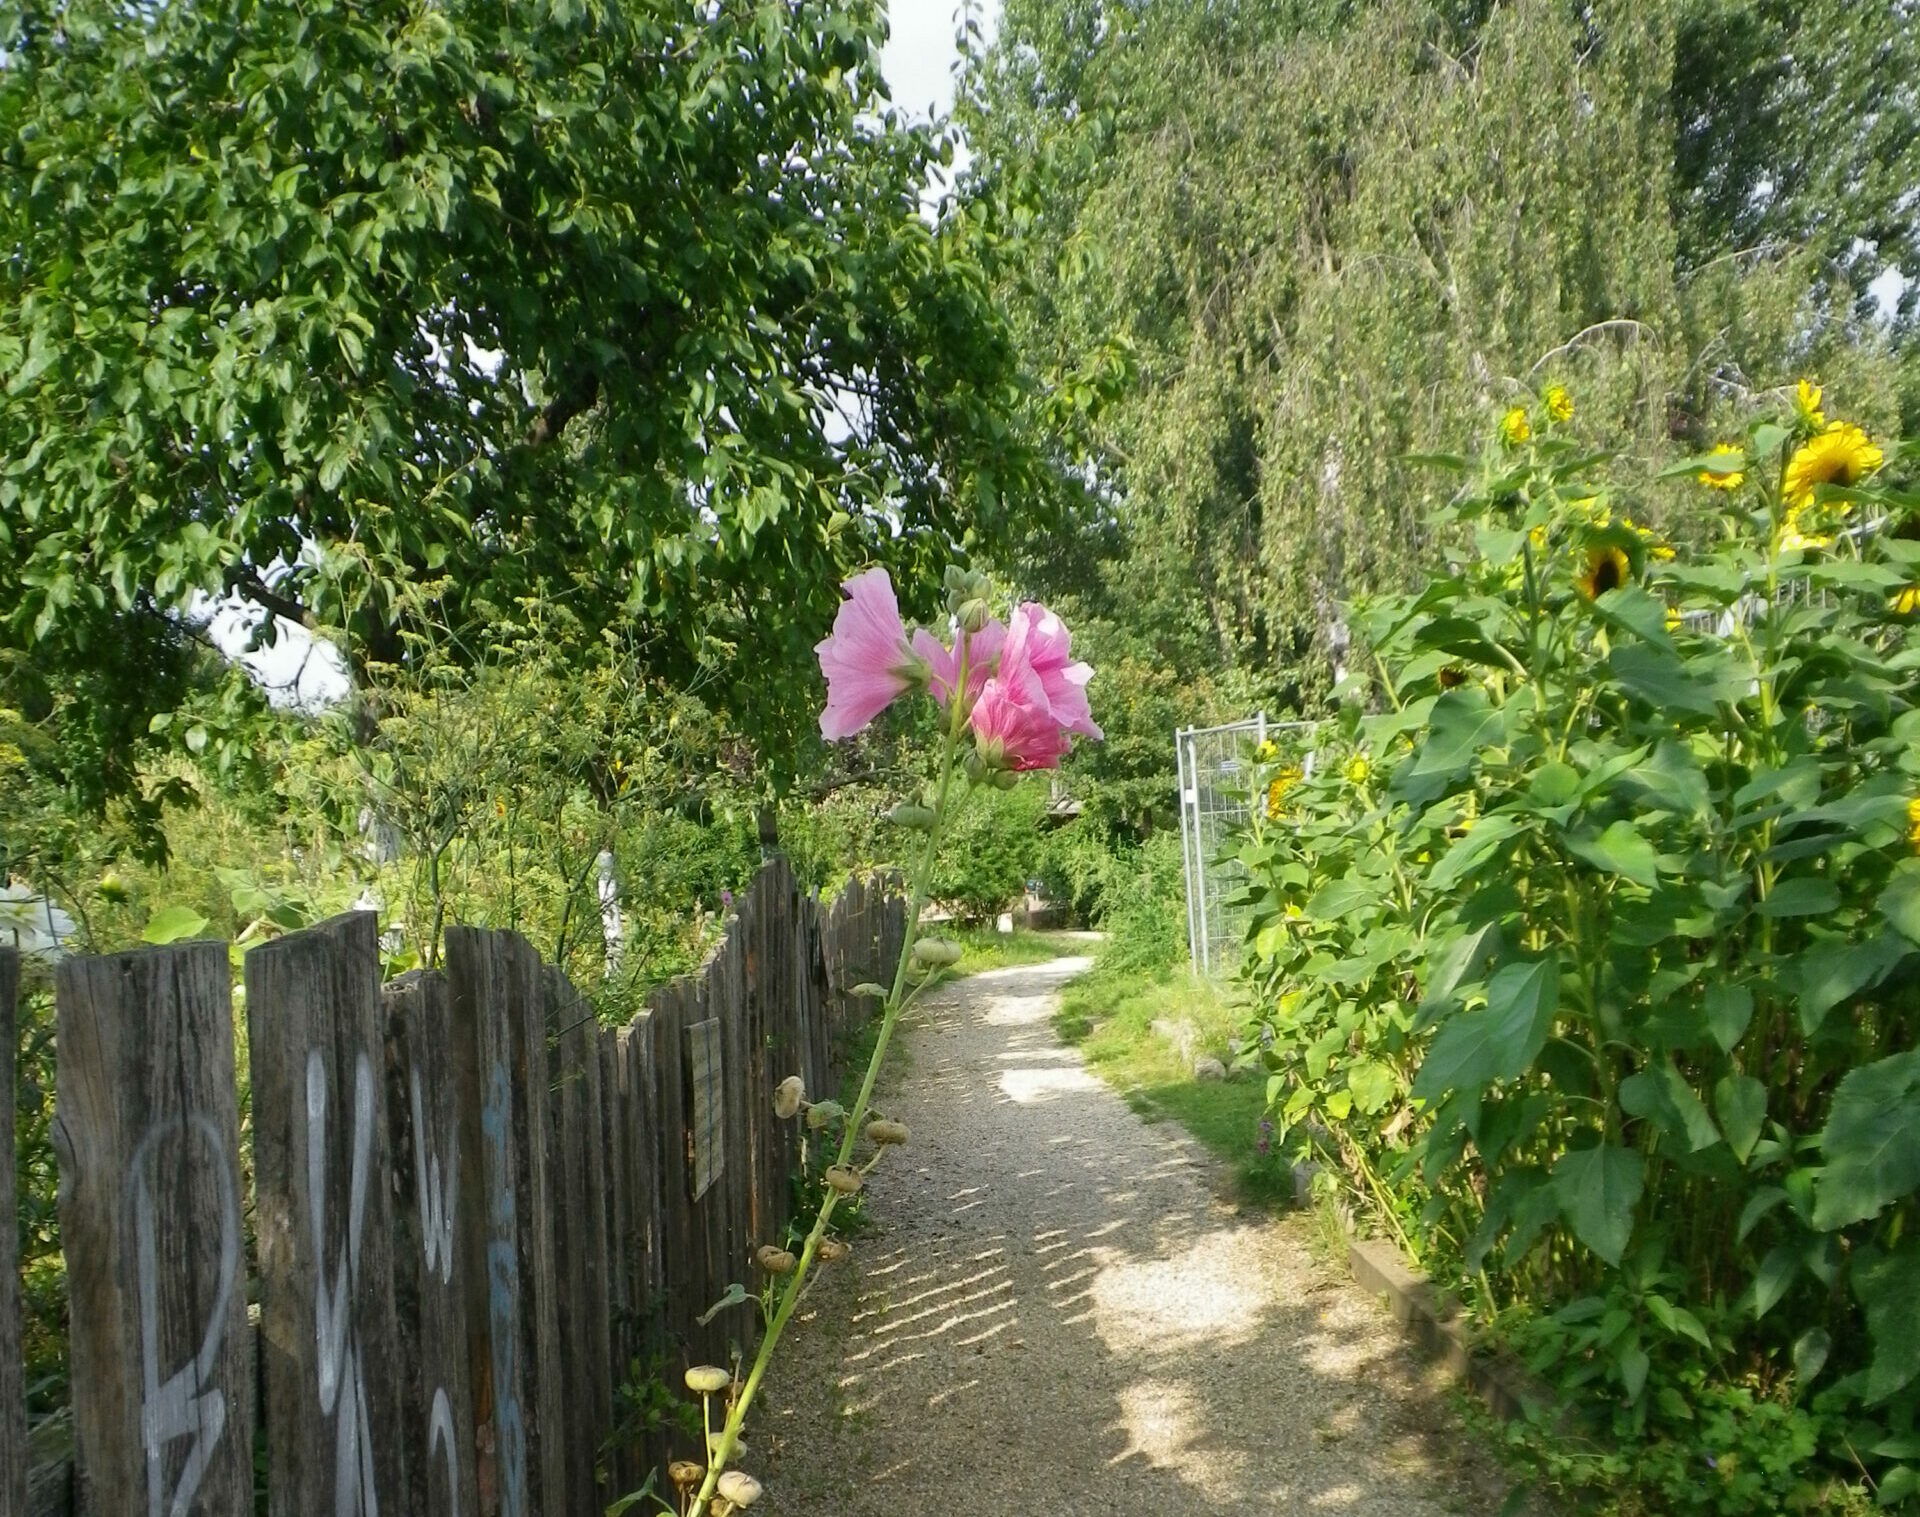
{"points": [[432, 1274], [506, 1218], [146, 1126], [323, 1214], [13, 1389]]}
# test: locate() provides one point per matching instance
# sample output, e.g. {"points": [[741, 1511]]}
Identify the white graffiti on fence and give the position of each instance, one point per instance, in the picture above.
{"points": [[503, 1296], [436, 1192], [187, 1403], [440, 1431], [340, 1366], [436, 1195]]}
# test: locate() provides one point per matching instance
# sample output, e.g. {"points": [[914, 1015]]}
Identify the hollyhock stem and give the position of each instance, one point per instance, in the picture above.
{"points": [[721, 1450]]}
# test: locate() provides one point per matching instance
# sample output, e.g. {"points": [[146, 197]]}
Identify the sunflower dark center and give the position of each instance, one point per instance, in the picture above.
{"points": [[1606, 575]]}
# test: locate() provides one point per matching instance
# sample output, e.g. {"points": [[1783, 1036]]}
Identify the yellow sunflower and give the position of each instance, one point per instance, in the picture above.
{"points": [[1267, 752], [1452, 676], [1806, 401], [1913, 823], [1731, 479], [1797, 539], [1907, 601], [1655, 547], [1358, 769], [1559, 403], [1674, 620], [1537, 539], [1515, 427], [1607, 569], [1284, 781], [1841, 455]]}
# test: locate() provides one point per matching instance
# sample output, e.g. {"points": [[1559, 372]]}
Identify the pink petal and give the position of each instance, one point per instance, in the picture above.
{"points": [[867, 660]]}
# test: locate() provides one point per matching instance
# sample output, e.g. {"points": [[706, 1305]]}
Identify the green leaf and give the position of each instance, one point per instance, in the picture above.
{"points": [[1900, 902], [1598, 1189], [1775, 1277], [1741, 1101], [1661, 680], [1340, 898], [1758, 1205], [173, 924], [1871, 1142], [1372, 1084], [1660, 1094], [1619, 850], [1470, 851], [1729, 1010], [1633, 1364], [1810, 1352], [1804, 896], [1461, 724], [1833, 970], [1887, 1285], [1499, 1040], [1678, 1321]]}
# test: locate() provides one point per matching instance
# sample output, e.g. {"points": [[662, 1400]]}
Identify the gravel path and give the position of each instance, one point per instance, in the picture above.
{"points": [[1053, 1313]]}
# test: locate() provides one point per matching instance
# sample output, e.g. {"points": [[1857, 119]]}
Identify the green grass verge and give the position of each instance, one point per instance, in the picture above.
{"points": [[982, 948], [1108, 1014]]}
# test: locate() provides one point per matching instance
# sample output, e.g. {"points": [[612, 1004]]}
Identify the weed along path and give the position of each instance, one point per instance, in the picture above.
{"points": [[1053, 1313]]}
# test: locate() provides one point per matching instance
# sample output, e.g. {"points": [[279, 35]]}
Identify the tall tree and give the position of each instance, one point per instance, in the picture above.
{"points": [[1339, 232], [395, 314]]}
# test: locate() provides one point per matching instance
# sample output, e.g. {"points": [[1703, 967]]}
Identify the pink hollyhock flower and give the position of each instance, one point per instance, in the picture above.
{"points": [[983, 658], [867, 660], [1039, 640], [1014, 727]]}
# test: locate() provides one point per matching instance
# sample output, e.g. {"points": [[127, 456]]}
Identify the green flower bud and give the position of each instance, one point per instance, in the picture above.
{"points": [[705, 1379], [823, 1114], [936, 951], [915, 818]]}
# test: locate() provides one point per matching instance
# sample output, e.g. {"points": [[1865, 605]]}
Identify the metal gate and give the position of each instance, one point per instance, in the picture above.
{"points": [[1214, 801]]}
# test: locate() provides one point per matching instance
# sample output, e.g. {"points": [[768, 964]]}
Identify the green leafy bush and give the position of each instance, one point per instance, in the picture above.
{"points": [[1590, 952]]}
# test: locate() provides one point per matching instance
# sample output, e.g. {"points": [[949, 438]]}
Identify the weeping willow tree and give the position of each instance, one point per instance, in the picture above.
{"points": [[1338, 234]]}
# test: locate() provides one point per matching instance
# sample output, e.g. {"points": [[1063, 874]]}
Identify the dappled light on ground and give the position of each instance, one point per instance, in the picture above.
{"points": [[1054, 1311]]}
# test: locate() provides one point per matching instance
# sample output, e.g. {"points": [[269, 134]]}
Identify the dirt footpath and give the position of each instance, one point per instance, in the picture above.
{"points": [[1054, 1313]]}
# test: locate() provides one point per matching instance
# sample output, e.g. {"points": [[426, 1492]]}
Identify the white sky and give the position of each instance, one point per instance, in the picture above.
{"points": [[919, 55]]}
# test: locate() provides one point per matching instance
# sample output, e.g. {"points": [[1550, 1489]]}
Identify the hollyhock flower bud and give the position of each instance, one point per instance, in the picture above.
{"points": [[844, 1180], [884, 1132], [915, 818], [936, 951], [788, 1097], [705, 1379], [868, 660], [686, 1474], [832, 1250], [823, 1113], [775, 1261], [739, 1487]]}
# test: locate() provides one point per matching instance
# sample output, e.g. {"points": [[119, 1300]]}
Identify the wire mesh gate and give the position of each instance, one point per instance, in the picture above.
{"points": [[1214, 765]]}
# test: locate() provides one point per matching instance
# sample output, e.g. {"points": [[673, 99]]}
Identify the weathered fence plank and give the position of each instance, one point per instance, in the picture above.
{"points": [[13, 1388], [580, 1236], [146, 1126], [323, 1214], [506, 1217], [433, 1277], [470, 1234]]}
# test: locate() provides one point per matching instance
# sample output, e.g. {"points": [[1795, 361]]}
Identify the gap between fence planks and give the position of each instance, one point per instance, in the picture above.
{"points": [[476, 1214]]}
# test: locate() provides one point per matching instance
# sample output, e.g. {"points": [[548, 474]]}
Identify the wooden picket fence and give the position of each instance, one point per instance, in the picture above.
{"points": [[472, 1212]]}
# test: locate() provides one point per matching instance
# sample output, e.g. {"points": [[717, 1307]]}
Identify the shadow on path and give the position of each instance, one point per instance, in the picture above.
{"points": [[1052, 1313]]}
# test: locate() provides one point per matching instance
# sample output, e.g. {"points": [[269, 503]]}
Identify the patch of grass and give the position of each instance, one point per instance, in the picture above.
{"points": [[1109, 1014], [982, 948]]}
